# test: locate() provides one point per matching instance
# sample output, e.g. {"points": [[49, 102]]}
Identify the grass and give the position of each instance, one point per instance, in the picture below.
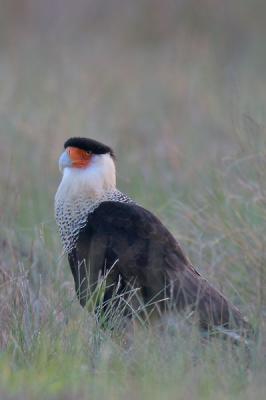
{"points": [[190, 143]]}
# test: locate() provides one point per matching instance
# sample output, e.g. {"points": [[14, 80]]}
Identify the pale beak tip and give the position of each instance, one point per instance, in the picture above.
{"points": [[64, 161]]}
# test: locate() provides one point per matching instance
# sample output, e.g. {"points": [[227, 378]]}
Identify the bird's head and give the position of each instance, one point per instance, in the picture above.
{"points": [[87, 164]]}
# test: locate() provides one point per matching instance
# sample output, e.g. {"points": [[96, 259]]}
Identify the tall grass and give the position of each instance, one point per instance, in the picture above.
{"points": [[51, 348]]}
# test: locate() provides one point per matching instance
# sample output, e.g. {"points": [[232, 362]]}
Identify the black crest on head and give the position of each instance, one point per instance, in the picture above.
{"points": [[89, 145]]}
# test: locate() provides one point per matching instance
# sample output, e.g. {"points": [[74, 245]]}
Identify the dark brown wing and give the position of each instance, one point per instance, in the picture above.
{"points": [[145, 253]]}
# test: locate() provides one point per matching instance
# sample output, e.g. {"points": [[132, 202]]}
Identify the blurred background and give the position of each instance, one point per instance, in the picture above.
{"points": [[176, 87], [152, 78]]}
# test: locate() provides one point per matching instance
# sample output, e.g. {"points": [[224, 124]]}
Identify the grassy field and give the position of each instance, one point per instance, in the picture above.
{"points": [[186, 117]]}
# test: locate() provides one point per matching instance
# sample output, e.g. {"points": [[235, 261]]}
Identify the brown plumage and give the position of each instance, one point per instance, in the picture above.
{"points": [[145, 255]]}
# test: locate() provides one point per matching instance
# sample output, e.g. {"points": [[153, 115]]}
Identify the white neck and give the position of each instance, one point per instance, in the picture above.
{"points": [[91, 182]]}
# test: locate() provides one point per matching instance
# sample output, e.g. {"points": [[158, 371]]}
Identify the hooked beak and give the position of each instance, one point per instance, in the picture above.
{"points": [[64, 161]]}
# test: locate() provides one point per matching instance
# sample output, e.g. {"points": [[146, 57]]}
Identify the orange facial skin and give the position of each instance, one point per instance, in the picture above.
{"points": [[80, 158]]}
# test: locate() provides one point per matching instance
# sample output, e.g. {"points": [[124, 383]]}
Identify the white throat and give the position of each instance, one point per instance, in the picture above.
{"points": [[80, 192], [92, 181]]}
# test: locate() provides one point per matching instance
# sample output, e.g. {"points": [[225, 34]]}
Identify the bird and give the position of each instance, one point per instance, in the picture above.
{"points": [[105, 232]]}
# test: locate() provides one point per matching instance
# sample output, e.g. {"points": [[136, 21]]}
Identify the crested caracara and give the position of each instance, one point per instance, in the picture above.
{"points": [[104, 231]]}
